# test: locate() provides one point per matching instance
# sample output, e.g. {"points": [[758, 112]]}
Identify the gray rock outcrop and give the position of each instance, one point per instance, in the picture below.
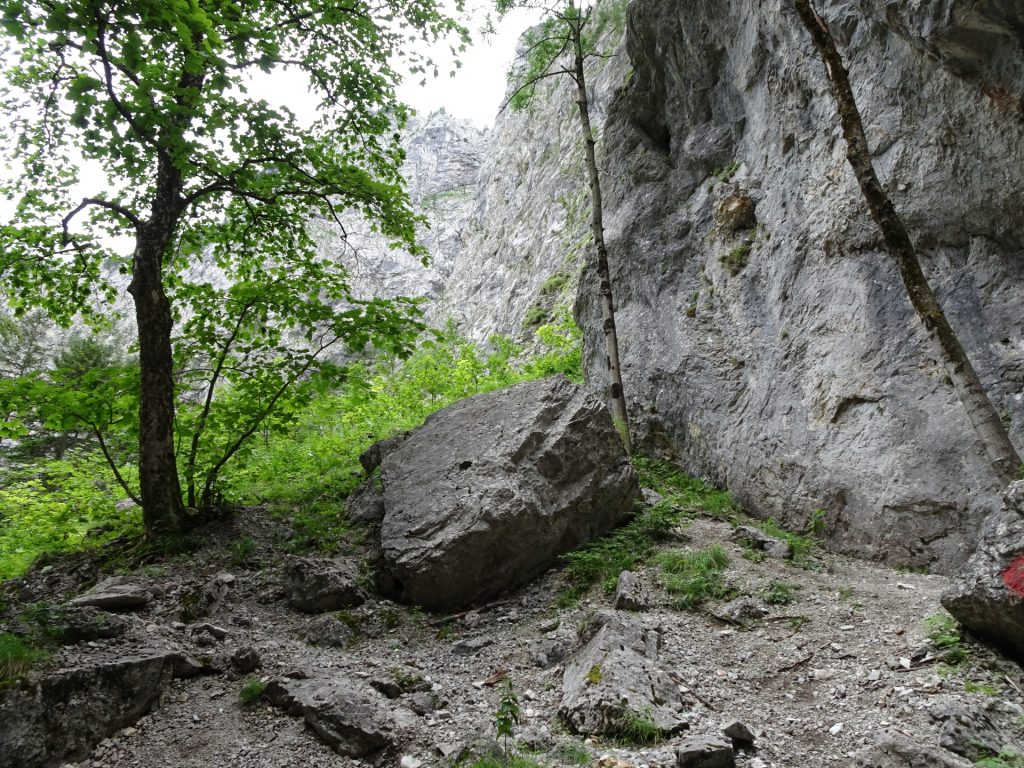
{"points": [[116, 593], [705, 752], [987, 595], [489, 491], [894, 750], [782, 359], [615, 675], [65, 713]]}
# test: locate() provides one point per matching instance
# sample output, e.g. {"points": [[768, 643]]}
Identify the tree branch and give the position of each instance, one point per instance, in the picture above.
{"points": [[99, 203]]}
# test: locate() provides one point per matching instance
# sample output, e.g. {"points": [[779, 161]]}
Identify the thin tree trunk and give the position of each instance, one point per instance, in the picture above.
{"points": [[611, 341], [159, 487], [989, 427]]}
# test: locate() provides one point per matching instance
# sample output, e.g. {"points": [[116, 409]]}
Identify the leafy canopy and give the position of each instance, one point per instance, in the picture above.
{"points": [[124, 83]]}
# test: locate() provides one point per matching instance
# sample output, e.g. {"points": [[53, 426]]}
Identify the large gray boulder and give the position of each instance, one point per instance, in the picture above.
{"points": [[488, 492], [987, 595], [615, 675]]}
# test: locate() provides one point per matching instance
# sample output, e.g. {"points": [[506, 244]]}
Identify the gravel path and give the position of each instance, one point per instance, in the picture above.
{"points": [[815, 680]]}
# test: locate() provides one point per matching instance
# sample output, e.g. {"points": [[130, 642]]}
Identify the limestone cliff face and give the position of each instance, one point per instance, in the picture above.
{"points": [[532, 214], [767, 340], [442, 168]]}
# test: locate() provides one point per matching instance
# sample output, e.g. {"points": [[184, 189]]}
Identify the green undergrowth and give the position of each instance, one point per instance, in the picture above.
{"points": [[943, 632], [52, 506], [695, 576], [689, 495], [636, 728], [603, 559], [802, 546], [1004, 759], [17, 656]]}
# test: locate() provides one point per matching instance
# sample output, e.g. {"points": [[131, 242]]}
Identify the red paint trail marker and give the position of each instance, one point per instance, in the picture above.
{"points": [[1013, 576]]}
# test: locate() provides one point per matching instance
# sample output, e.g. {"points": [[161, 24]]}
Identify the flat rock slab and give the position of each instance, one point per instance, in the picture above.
{"points": [[66, 713], [115, 594], [894, 750], [987, 595], [350, 721], [490, 491], [705, 752], [615, 672]]}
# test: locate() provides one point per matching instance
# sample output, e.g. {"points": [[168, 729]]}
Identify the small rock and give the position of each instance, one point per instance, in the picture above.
{"points": [[755, 538], [651, 497], [408, 761], [245, 659], [471, 646], [217, 632], [743, 610], [705, 752], [316, 586], [630, 593], [738, 733], [327, 631], [836, 729]]}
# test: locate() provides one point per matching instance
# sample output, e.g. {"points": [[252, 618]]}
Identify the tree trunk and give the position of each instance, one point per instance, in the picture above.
{"points": [[160, 490], [611, 341], [987, 424]]}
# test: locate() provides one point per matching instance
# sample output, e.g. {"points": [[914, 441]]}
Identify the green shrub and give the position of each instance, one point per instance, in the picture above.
{"points": [[59, 505], [736, 259], [943, 633], [802, 546], [779, 593]]}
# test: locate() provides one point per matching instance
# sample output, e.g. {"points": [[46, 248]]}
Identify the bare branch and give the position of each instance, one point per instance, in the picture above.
{"points": [[99, 203]]}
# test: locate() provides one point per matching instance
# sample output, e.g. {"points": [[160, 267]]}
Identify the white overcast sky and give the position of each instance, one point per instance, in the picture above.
{"points": [[478, 88]]}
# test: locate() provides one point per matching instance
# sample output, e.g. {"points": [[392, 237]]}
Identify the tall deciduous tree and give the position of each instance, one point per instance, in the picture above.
{"points": [[561, 45], [159, 95], [987, 425]]}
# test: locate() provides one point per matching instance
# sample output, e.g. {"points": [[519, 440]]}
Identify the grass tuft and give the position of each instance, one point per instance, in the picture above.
{"points": [[252, 691], [694, 577]]}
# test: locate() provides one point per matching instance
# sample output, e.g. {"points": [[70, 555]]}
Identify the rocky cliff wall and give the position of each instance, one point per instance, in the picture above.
{"points": [[526, 240], [778, 355]]}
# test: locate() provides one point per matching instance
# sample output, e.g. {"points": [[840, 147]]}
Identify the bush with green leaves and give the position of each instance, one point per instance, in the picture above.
{"points": [[58, 506]]}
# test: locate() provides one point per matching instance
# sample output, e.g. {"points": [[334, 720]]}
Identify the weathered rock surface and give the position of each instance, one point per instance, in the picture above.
{"points": [[987, 595], [116, 593], [63, 715], [980, 730], [315, 586], [350, 721], [705, 752], [488, 492], [804, 380], [614, 672], [894, 750], [631, 594]]}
